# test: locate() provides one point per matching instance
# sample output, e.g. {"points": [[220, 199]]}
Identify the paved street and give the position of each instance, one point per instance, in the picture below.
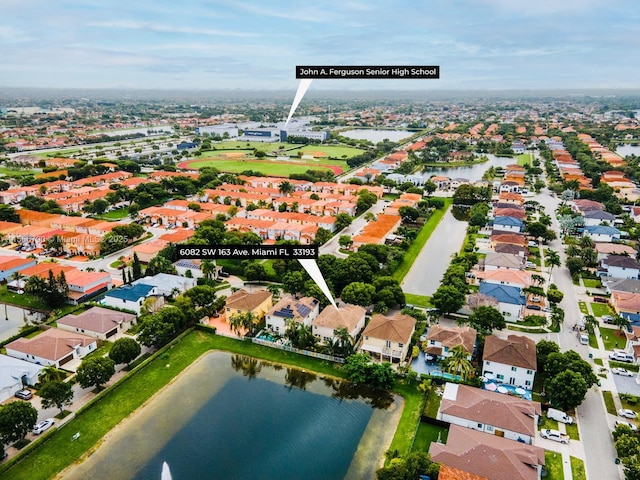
{"points": [[434, 258], [595, 422]]}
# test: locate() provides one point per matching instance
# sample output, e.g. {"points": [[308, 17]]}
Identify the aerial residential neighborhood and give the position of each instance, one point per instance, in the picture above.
{"points": [[218, 260]]}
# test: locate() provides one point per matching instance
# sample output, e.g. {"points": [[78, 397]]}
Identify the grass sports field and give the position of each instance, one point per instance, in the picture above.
{"points": [[266, 166], [320, 151]]}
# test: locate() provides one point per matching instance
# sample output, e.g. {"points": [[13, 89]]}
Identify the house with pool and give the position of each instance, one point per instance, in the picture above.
{"points": [[513, 418], [387, 339], [289, 308], [511, 360]]}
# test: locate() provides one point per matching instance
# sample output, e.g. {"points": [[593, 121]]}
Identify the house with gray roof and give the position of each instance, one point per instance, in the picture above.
{"points": [[619, 266], [494, 261], [97, 322], [510, 299], [597, 217], [602, 233], [14, 374], [507, 224]]}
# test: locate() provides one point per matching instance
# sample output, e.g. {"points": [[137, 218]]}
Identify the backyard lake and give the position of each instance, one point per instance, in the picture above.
{"points": [[233, 416]]}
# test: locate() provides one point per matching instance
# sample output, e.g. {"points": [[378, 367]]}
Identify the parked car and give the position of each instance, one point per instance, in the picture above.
{"points": [[583, 338], [536, 299], [607, 319], [530, 265], [622, 371], [533, 244], [24, 394], [625, 412], [223, 274], [621, 356], [534, 307], [43, 426], [619, 423], [429, 358], [554, 435], [559, 416], [600, 300]]}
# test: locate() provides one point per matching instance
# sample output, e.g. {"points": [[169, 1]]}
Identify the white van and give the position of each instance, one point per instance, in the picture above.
{"points": [[559, 416], [621, 356], [584, 338]]}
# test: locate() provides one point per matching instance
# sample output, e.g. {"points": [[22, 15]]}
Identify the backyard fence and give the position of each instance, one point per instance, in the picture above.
{"points": [[308, 353]]}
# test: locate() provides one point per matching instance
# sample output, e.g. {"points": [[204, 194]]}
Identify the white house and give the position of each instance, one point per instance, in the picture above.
{"points": [[513, 418], [507, 224], [166, 284], [511, 361], [302, 310], [601, 233], [495, 261], [52, 347], [619, 266], [14, 374], [98, 322], [597, 217], [129, 297], [511, 300], [350, 317]]}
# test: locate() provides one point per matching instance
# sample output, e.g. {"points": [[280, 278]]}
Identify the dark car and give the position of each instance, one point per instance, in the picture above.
{"points": [[534, 307], [223, 274], [600, 300]]}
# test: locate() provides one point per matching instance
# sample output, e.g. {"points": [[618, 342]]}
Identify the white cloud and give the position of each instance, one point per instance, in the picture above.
{"points": [[166, 28]]}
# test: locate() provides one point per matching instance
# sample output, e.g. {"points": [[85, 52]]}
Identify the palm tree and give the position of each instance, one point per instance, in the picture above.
{"points": [[538, 279], [51, 374], [587, 242], [557, 318], [458, 363], [208, 268], [573, 251], [343, 342], [286, 188], [552, 259], [17, 277], [590, 322], [236, 321], [621, 322]]}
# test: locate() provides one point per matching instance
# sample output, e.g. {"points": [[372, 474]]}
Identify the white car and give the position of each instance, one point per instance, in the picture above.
{"points": [[622, 371], [554, 435], [43, 426], [619, 423], [625, 412]]}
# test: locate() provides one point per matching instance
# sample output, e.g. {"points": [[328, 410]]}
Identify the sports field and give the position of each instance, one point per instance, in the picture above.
{"points": [[266, 166]]}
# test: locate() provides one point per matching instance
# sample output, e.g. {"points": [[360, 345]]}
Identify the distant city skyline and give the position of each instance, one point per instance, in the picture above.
{"points": [[209, 44]]}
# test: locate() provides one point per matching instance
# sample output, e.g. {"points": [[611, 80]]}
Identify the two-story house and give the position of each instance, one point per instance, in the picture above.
{"points": [[387, 339], [241, 301], [511, 361], [619, 266], [302, 310], [349, 317], [441, 340], [493, 413]]}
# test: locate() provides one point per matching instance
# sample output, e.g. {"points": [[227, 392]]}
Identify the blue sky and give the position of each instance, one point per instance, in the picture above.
{"points": [[211, 44]]}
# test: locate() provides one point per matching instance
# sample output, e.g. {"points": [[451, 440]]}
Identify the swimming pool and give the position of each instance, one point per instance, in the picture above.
{"points": [[445, 375], [507, 389]]}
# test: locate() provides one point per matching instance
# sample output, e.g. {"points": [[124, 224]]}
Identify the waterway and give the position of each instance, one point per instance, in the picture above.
{"points": [[236, 417], [470, 172], [624, 150], [376, 136]]}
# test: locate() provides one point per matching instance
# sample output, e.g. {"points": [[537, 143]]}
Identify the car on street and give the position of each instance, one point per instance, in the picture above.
{"points": [[622, 423], [607, 319], [622, 371], [24, 394], [626, 413], [621, 356], [43, 426], [530, 265], [554, 435]]}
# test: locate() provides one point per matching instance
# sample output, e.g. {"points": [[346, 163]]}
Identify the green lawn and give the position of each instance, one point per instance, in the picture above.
{"points": [[577, 469], [116, 403], [591, 283], [415, 248], [418, 300], [600, 309], [612, 339], [593, 343], [548, 423], [117, 214], [573, 432], [413, 401], [609, 403], [553, 464], [583, 308], [598, 361], [265, 166], [432, 405], [427, 434], [524, 159], [22, 300]]}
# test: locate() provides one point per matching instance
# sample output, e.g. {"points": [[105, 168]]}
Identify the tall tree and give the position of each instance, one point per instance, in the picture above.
{"points": [[136, 267], [486, 319], [124, 350], [51, 374], [56, 394], [16, 419], [95, 372], [458, 362], [552, 259]]}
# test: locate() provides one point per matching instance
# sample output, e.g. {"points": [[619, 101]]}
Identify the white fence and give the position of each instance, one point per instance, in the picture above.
{"points": [[308, 353]]}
